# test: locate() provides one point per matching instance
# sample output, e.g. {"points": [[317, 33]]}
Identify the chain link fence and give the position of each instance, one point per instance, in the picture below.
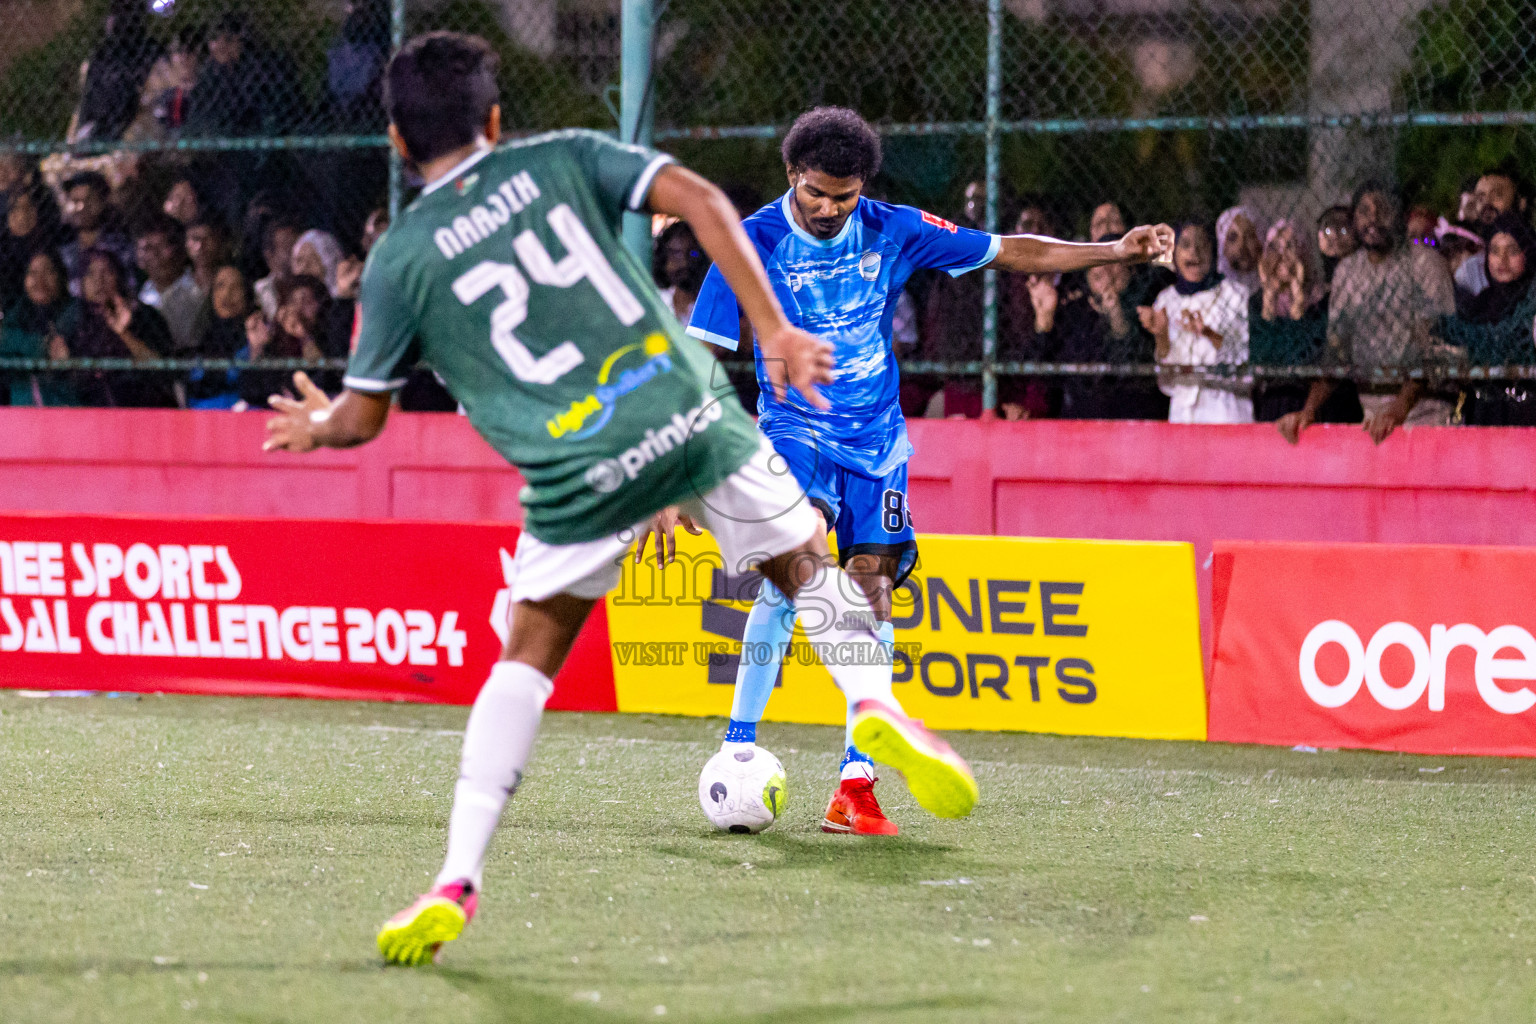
{"points": [[1170, 110]]}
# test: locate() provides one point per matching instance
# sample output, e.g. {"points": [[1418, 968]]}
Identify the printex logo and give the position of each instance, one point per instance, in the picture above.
{"points": [[610, 474], [591, 414], [1429, 658]]}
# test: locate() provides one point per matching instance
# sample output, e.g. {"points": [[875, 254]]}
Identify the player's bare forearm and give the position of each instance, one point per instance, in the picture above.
{"points": [[794, 358], [1037, 254], [681, 193], [355, 418]]}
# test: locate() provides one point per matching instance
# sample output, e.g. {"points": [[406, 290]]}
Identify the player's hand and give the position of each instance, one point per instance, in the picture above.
{"points": [[293, 429], [664, 524], [800, 360], [1143, 244]]}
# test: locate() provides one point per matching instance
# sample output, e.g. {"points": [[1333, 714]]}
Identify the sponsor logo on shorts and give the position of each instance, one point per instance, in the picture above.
{"points": [[609, 475], [591, 414]]}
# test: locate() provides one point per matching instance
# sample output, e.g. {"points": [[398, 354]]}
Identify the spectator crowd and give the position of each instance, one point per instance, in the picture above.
{"points": [[138, 258], [1369, 291]]}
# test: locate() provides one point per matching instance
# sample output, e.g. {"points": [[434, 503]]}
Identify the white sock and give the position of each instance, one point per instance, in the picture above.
{"points": [[832, 610], [497, 742]]}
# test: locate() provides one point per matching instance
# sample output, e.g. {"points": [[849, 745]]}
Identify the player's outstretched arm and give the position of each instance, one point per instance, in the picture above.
{"points": [[1037, 254], [315, 421], [791, 356]]}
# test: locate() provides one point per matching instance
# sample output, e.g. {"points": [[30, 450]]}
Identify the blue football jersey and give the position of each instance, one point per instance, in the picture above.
{"points": [[843, 289]]}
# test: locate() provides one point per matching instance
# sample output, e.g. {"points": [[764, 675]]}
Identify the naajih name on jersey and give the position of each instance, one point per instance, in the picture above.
{"points": [[467, 230]]}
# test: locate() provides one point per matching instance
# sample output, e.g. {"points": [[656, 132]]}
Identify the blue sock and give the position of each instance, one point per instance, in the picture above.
{"points": [[887, 635], [770, 625], [852, 755]]}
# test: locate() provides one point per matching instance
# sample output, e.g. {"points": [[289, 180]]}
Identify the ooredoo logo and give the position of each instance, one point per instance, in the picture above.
{"points": [[1429, 660]]}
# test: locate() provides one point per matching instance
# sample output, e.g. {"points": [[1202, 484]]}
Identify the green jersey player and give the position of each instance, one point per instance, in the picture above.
{"points": [[508, 277]]}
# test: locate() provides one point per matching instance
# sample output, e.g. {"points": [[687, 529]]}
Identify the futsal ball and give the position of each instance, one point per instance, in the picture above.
{"points": [[742, 789]]}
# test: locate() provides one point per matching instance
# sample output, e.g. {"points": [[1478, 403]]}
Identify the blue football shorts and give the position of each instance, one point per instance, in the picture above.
{"points": [[868, 514]]}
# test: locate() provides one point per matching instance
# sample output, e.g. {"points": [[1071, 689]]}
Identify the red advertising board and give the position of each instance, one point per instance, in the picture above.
{"points": [[1419, 648], [314, 608]]}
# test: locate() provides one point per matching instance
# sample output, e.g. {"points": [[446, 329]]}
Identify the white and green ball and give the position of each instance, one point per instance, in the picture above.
{"points": [[742, 789]]}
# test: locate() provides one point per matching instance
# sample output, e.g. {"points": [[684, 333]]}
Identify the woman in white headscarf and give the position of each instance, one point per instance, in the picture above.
{"points": [[1239, 245], [318, 254]]}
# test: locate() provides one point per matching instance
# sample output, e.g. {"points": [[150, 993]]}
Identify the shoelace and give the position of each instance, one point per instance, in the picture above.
{"points": [[864, 801]]}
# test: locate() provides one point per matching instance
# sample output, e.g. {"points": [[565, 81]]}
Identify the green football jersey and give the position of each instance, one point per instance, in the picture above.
{"points": [[508, 277]]}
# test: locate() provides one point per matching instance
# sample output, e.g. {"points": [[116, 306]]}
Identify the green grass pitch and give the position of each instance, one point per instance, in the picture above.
{"points": [[198, 859]]}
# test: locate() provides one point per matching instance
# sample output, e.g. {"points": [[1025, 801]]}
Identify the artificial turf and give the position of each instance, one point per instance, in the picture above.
{"points": [[200, 859]]}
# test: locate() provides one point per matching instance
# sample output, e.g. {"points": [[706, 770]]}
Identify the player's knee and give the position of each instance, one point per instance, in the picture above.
{"points": [[795, 570]]}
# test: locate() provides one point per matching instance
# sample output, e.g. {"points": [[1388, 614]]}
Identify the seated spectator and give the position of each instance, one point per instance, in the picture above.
{"points": [[182, 201], [1494, 328], [223, 336], [1239, 243], [1147, 279], [1107, 219], [1201, 320], [160, 246], [1030, 308], [317, 254], [30, 331], [89, 214], [678, 266], [1457, 243], [209, 247], [296, 333], [110, 325], [1385, 299], [115, 74], [1335, 238], [20, 173], [355, 65], [13, 174], [243, 88], [973, 209], [374, 227], [1288, 326], [26, 232], [1035, 218], [1421, 226], [277, 244], [1500, 190], [1102, 327], [950, 332], [168, 92]]}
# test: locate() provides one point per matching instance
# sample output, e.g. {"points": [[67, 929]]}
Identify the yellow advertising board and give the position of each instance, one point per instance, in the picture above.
{"points": [[1082, 637]]}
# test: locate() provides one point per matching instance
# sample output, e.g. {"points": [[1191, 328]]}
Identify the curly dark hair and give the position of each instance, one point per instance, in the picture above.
{"points": [[835, 141]]}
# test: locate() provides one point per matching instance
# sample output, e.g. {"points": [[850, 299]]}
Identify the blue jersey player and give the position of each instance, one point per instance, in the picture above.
{"points": [[838, 263]]}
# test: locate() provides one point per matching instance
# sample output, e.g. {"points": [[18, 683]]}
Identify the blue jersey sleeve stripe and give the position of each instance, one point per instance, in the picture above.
{"points": [[993, 248], [713, 338]]}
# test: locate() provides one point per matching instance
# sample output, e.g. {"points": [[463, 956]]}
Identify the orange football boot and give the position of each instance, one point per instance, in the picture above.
{"points": [[855, 811]]}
